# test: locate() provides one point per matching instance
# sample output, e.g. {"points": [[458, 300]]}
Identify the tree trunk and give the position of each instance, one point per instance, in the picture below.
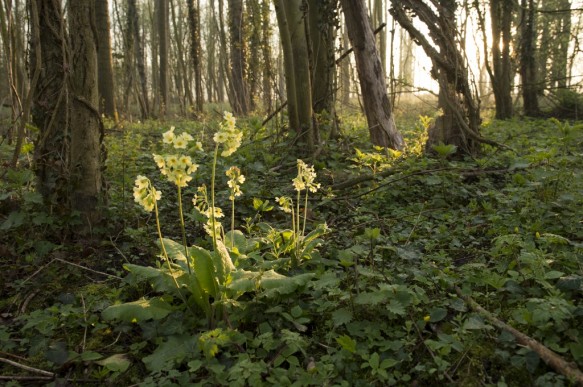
{"points": [[527, 59], [322, 49], [237, 58], [104, 60], [86, 129], [138, 46], [184, 85], [196, 52], [460, 122], [377, 106], [253, 37], [288, 64], [163, 54], [501, 71], [301, 68], [268, 74], [50, 112]]}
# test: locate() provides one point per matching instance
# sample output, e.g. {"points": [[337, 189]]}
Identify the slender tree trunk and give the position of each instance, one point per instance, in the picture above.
{"points": [[163, 54], [50, 112], [345, 71], [86, 128], [253, 37], [178, 41], [296, 19], [237, 58], [377, 106], [288, 64], [105, 63], [139, 55], [527, 59], [266, 51], [322, 48], [196, 51]]}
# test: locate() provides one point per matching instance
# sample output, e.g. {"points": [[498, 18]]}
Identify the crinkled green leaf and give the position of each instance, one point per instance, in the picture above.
{"points": [[341, 316], [243, 281], [175, 252], [277, 283], [222, 262], [143, 309]]}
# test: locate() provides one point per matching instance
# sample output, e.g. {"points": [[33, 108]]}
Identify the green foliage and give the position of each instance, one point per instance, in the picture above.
{"points": [[371, 303]]}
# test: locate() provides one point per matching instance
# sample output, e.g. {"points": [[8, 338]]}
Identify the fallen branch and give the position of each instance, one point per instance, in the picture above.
{"points": [[555, 361], [27, 368]]}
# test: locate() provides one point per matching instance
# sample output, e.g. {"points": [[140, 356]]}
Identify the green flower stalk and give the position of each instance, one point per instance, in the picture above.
{"points": [[234, 183]]}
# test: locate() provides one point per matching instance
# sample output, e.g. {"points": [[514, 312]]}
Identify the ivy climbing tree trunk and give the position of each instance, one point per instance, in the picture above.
{"points": [[377, 107]]}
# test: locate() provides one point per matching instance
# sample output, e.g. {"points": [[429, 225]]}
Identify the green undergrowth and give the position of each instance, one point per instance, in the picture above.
{"points": [[365, 296]]}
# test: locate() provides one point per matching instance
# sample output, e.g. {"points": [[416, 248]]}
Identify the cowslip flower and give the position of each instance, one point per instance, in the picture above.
{"points": [[182, 140], [145, 194], [235, 181], [285, 203], [305, 178], [168, 137], [228, 135]]}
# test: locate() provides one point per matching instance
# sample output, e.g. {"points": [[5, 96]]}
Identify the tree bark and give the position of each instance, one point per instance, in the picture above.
{"points": [[138, 45], [528, 72], [163, 8], [196, 52], [237, 58], [377, 106], [86, 129], [322, 49], [105, 64], [50, 105]]}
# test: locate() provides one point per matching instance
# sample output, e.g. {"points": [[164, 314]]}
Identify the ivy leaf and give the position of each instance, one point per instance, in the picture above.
{"points": [[341, 316], [154, 309], [347, 343]]}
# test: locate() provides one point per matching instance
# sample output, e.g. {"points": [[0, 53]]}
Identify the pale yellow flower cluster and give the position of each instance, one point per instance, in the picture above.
{"points": [[145, 194], [177, 168], [235, 181], [285, 202], [201, 202], [305, 178], [228, 135], [178, 141]]}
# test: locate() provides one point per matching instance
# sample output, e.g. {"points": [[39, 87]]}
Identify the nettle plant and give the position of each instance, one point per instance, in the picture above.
{"points": [[210, 279]]}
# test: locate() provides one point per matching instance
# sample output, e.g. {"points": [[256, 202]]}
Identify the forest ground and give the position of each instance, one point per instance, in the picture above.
{"points": [[381, 296]]}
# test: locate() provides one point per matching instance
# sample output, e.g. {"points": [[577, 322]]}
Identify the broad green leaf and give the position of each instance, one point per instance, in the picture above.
{"points": [[198, 294], [115, 363], [347, 343], [153, 309], [374, 361], [553, 274], [237, 240], [243, 281], [175, 252], [437, 314], [203, 267], [157, 277]]}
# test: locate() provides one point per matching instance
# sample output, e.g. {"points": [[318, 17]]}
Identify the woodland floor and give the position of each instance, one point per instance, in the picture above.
{"points": [[381, 296]]}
